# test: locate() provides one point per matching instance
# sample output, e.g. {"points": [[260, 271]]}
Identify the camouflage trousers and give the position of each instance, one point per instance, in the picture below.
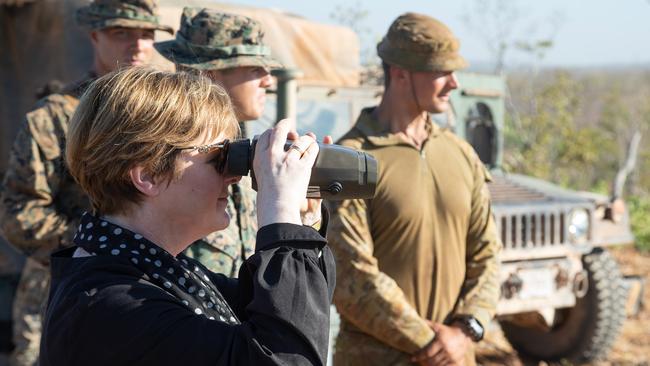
{"points": [[28, 309], [354, 348]]}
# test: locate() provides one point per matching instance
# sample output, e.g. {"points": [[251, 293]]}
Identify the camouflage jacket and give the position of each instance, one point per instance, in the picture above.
{"points": [[40, 202], [224, 251], [424, 248]]}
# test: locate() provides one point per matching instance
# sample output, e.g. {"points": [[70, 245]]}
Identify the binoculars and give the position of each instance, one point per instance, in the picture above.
{"points": [[339, 172]]}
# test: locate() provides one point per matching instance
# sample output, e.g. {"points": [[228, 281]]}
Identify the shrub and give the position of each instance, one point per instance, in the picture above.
{"points": [[639, 207]]}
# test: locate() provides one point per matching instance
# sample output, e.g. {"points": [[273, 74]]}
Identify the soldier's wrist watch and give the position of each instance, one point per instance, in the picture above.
{"points": [[472, 327]]}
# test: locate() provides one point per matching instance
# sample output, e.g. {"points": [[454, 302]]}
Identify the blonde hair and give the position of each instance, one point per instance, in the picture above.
{"points": [[141, 116]]}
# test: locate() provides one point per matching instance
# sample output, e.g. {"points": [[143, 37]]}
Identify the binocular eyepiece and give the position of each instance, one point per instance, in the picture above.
{"points": [[339, 172]]}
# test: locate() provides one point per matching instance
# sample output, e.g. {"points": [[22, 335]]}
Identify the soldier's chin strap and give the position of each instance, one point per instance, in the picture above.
{"points": [[415, 97]]}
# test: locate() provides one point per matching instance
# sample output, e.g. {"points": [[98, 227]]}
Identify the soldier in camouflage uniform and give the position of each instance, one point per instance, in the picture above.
{"points": [[41, 204], [228, 49], [417, 265]]}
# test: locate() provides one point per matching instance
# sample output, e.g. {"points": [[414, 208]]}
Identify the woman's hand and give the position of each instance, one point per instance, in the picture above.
{"points": [[310, 211], [282, 176]]}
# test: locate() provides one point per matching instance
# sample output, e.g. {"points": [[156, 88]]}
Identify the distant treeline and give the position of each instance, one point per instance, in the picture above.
{"points": [[574, 128]]}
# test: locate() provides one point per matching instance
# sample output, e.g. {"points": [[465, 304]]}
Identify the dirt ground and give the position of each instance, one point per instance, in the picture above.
{"points": [[631, 348]]}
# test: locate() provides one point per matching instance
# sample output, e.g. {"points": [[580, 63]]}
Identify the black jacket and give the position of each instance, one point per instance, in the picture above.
{"points": [[104, 311]]}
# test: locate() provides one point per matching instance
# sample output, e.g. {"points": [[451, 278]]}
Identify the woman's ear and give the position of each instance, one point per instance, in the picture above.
{"points": [[143, 181]]}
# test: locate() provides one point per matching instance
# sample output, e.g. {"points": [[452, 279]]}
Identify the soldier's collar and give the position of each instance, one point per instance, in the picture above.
{"points": [[379, 135], [77, 88]]}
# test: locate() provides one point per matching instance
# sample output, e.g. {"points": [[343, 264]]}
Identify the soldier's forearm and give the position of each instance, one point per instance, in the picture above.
{"points": [[481, 290], [383, 312]]}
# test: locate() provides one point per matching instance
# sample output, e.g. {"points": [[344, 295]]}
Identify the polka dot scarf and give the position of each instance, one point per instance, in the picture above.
{"points": [[177, 275]]}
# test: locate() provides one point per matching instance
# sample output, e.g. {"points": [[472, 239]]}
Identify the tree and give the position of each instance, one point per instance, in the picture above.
{"points": [[500, 22], [549, 143], [355, 17]]}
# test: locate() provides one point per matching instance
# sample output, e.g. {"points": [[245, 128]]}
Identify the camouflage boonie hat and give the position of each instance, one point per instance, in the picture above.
{"points": [[142, 14], [417, 42], [212, 40]]}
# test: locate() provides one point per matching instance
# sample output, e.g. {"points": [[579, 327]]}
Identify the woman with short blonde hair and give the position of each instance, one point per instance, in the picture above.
{"points": [[148, 148], [190, 108]]}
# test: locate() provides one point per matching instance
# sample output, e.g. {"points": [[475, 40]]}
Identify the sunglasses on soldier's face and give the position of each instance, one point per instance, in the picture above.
{"points": [[220, 158]]}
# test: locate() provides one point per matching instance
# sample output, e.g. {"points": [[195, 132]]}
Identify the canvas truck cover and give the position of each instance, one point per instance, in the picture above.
{"points": [[327, 54], [40, 42]]}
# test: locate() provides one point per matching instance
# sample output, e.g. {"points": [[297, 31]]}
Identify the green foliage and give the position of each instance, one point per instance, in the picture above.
{"points": [[642, 173], [355, 16], [537, 48], [574, 130], [640, 217], [547, 141]]}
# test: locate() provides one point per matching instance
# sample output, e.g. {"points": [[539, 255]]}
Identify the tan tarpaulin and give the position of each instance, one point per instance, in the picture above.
{"points": [[40, 42], [327, 54]]}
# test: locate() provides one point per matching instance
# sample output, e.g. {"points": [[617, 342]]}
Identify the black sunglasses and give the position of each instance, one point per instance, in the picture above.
{"points": [[219, 160]]}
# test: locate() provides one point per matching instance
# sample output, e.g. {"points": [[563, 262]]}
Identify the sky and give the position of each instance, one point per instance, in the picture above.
{"points": [[585, 33]]}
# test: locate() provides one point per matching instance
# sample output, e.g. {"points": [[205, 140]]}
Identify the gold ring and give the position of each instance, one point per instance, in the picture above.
{"points": [[298, 149]]}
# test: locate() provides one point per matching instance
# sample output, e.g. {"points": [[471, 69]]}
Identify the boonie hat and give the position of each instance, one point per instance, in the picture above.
{"points": [[142, 14], [212, 40], [418, 42]]}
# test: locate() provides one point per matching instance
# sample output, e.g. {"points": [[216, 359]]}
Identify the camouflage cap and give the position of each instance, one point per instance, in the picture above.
{"points": [[141, 14], [212, 40], [418, 42]]}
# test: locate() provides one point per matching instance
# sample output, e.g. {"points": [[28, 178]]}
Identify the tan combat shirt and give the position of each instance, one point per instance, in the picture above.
{"points": [[425, 247]]}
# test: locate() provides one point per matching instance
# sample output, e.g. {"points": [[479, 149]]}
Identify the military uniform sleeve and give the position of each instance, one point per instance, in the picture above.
{"points": [[480, 292], [28, 216], [364, 296]]}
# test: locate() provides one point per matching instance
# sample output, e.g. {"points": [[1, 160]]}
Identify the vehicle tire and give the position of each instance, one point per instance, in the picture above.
{"points": [[585, 332]]}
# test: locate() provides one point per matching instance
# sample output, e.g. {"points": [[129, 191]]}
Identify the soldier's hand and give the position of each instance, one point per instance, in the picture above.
{"points": [[447, 348]]}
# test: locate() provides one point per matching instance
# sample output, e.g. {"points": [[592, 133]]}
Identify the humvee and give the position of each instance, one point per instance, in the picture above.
{"points": [[562, 295]]}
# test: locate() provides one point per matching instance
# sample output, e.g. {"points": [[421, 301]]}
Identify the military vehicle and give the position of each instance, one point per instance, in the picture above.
{"points": [[563, 297]]}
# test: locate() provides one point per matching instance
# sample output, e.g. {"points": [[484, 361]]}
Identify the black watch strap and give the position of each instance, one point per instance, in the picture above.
{"points": [[471, 327]]}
